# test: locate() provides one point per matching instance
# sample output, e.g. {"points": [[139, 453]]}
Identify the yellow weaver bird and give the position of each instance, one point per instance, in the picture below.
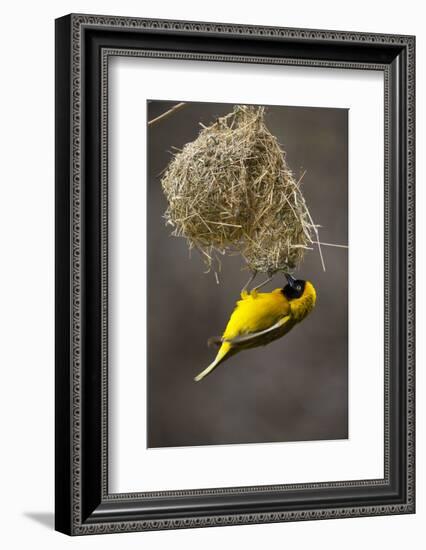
{"points": [[261, 317]]}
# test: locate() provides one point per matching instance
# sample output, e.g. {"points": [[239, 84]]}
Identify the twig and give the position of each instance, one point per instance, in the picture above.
{"points": [[331, 244], [177, 107]]}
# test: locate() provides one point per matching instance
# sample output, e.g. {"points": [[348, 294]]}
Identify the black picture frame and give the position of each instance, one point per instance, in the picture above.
{"points": [[83, 46]]}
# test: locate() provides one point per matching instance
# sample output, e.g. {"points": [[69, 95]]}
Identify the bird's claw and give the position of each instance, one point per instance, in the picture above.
{"points": [[253, 294], [214, 341]]}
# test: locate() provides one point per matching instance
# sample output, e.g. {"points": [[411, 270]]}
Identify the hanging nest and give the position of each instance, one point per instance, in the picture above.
{"points": [[231, 190]]}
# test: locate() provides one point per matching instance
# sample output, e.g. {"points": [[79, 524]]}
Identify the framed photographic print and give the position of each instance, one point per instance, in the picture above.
{"points": [[234, 274]]}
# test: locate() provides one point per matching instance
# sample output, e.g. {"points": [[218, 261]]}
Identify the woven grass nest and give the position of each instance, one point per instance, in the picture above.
{"points": [[231, 191]]}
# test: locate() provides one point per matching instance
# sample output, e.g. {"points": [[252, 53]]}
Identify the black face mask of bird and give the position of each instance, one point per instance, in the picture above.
{"points": [[294, 289]]}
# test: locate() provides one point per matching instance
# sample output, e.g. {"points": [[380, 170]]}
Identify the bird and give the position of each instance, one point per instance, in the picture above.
{"points": [[262, 317]]}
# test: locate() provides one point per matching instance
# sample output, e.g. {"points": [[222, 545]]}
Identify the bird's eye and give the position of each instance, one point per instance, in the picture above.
{"points": [[298, 288]]}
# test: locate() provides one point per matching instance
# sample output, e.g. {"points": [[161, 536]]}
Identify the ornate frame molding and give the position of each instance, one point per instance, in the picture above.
{"points": [[72, 46]]}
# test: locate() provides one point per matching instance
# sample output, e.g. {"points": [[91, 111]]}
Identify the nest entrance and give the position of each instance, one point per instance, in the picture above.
{"points": [[231, 190]]}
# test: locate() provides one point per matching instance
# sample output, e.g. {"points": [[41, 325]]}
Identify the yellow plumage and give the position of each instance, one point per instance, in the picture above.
{"points": [[261, 317]]}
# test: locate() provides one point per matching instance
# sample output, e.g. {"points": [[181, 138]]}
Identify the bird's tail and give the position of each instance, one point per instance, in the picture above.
{"points": [[222, 354]]}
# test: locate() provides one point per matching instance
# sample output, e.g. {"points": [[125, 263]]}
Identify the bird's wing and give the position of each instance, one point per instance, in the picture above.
{"points": [[245, 338]]}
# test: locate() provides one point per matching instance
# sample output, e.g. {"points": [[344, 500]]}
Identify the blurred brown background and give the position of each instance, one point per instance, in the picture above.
{"points": [[297, 387]]}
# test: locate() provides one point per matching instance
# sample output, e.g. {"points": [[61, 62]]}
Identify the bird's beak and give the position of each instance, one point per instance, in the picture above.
{"points": [[291, 280]]}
